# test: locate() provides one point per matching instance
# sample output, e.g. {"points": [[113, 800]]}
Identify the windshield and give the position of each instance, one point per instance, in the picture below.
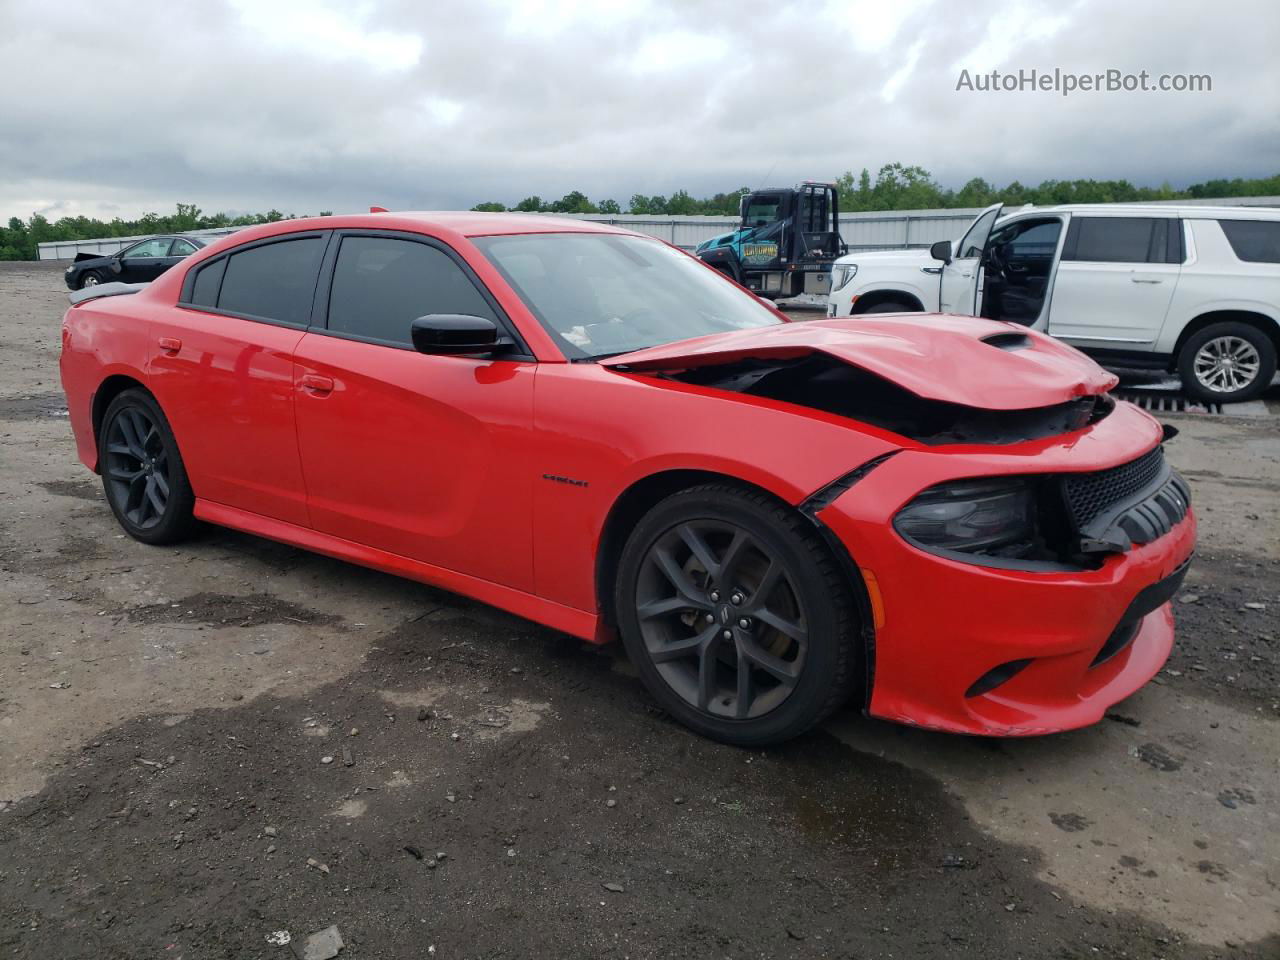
{"points": [[601, 294]]}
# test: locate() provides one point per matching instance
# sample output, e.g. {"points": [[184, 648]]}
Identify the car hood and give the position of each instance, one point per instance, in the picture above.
{"points": [[891, 258], [963, 360]]}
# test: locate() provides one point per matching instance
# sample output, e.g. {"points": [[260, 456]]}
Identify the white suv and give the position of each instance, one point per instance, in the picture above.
{"points": [[1192, 290]]}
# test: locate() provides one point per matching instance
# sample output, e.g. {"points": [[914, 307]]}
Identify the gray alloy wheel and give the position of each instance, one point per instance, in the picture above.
{"points": [[1227, 364], [740, 619], [143, 475], [721, 619], [137, 467]]}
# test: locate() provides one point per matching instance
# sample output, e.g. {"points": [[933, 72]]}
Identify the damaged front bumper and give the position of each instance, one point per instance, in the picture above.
{"points": [[997, 650]]}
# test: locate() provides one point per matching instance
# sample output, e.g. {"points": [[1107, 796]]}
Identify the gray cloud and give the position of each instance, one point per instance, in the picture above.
{"points": [[439, 105]]}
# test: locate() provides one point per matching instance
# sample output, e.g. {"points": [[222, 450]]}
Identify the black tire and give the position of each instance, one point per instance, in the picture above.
{"points": [[91, 278], [1250, 353], [143, 476], [888, 306], [796, 673]]}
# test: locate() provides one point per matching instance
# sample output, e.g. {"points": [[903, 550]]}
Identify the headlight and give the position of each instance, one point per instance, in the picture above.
{"points": [[972, 516], [842, 273]]}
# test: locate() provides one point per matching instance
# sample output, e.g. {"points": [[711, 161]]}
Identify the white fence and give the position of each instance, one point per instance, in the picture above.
{"points": [[861, 231]]}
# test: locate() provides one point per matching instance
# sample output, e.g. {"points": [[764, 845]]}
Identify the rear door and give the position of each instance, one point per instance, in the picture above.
{"points": [[422, 456], [1115, 281], [958, 290], [222, 368]]}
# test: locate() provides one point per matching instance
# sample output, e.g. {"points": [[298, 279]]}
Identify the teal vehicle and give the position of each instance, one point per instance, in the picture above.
{"points": [[786, 244]]}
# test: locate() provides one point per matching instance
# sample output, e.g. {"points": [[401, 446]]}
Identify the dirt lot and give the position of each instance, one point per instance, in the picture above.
{"points": [[202, 746]]}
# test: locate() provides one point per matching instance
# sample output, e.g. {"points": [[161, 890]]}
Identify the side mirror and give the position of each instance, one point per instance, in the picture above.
{"points": [[454, 334], [941, 251]]}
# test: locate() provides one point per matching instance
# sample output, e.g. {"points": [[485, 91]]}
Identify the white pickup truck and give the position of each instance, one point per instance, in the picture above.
{"points": [[1192, 290]]}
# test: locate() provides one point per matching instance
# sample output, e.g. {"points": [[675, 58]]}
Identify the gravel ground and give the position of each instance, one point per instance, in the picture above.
{"points": [[201, 747]]}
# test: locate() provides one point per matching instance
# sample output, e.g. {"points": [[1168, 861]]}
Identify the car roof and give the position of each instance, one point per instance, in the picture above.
{"points": [[471, 223], [1191, 211]]}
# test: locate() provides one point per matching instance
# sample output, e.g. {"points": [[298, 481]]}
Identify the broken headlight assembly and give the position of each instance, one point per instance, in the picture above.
{"points": [[988, 518]]}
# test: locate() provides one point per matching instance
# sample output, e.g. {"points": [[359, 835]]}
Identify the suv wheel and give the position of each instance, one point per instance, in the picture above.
{"points": [[1227, 363], [736, 615]]}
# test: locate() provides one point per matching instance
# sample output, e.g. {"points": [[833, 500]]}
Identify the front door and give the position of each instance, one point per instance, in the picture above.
{"points": [[422, 456], [958, 290], [144, 261], [1115, 281]]}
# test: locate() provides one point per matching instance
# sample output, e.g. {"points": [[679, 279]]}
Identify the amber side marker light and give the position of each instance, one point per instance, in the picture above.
{"points": [[873, 593]]}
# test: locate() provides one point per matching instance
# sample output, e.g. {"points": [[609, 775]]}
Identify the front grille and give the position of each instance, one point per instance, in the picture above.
{"points": [[1090, 494]]}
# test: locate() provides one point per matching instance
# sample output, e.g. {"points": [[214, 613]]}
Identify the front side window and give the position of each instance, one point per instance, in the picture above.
{"points": [[1034, 240], [381, 285], [276, 281], [1256, 241], [1120, 240], [601, 294], [155, 247]]}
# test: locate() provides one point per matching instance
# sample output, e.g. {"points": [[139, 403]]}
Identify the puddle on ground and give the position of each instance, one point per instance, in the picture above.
{"points": [[890, 815]]}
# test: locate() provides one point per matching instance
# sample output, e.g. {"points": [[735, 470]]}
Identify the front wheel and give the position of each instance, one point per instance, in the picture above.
{"points": [[91, 279], [736, 615], [143, 475], [1227, 363], [889, 306]]}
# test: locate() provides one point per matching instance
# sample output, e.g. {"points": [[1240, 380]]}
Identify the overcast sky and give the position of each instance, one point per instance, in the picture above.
{"points": [[116, 109]]}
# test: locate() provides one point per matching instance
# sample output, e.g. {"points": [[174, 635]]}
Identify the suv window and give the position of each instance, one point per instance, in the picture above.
{"points": [[155, 247], [381, 285], [1124, 240], [1036, 240], [1257, 241], [276, 281]]}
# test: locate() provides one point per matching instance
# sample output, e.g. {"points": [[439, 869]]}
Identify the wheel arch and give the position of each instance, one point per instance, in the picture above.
{"points": [[874, 298], [1263, 323], [632, 504], [108, 390]]}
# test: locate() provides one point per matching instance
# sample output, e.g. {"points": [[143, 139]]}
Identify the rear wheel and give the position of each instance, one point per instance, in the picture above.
{"points": [[736, 615], [143, 475], [1227, 363]]}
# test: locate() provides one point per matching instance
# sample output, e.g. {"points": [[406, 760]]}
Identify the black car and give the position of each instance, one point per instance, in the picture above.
{"points": [[141, 262]]}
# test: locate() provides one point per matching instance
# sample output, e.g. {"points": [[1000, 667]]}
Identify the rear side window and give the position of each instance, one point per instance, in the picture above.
{"points": [[1124, 240], [1257, 241], [381, 285], [276, 281]]}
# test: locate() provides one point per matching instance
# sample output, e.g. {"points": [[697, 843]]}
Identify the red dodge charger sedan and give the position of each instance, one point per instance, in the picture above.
{"points": [[946, 518]]}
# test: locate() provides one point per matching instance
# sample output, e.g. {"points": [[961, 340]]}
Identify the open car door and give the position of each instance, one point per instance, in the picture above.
{"points": [[958, 292]]}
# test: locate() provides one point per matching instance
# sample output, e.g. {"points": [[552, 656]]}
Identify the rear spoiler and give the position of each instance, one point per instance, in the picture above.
{"points": [[104, 290]]}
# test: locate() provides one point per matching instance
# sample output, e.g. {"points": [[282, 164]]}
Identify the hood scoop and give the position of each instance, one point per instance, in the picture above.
{"points": [[967, 361]]}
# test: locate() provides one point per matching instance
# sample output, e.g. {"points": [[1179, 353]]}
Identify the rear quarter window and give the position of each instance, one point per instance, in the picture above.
{"points": [[1256, 241]]}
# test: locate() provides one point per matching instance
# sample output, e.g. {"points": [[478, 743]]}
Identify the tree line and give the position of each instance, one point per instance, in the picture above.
{"points": [[894, 187]]}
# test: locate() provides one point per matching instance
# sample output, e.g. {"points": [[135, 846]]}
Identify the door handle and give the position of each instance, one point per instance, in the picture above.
{"points": [[170, 344], [314, 383], [1136, 279]]}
